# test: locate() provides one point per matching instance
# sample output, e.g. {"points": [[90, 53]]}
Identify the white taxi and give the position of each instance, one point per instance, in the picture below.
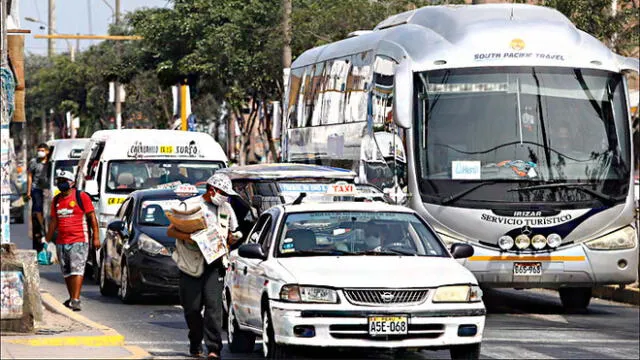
{"points": [[348, 274]]}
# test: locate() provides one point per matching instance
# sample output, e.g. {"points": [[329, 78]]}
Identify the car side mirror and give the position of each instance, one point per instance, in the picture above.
{"points": [[252, 251], [91, 188], [461, 251], [119, 227]]}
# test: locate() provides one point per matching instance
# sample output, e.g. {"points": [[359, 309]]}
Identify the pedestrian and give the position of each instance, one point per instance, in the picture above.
{"points": [[71, 215], [37, 186], [206, 290]]}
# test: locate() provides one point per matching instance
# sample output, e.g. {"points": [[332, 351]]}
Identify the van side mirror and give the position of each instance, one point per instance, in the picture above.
{"points": [[403, 95], [461, 251], [252, 251], [91, 188]]}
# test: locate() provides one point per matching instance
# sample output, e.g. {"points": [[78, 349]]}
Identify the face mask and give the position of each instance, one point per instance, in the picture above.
{"points": [[63, 185], [218, 199], [41, 154]]}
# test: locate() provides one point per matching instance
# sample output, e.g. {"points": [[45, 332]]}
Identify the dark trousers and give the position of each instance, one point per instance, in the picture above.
{"points": [[206, 291]]}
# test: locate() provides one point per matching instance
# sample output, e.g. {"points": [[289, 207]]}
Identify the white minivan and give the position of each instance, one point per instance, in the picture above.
{"points": [[118, 162], [64, 154]]}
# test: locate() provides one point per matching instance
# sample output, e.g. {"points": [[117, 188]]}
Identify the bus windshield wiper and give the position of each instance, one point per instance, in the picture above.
{"points": [[582, 186], [453, 197]]}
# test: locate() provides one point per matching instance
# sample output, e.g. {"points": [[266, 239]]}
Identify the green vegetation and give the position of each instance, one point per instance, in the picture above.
{"points": [[230, 51]]}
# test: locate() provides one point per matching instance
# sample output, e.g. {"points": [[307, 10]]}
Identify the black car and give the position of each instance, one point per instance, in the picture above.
{"points": [[17, 204], [136, 255]]}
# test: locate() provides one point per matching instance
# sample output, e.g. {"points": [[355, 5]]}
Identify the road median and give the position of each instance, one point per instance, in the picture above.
{"points": [[65, 334]]}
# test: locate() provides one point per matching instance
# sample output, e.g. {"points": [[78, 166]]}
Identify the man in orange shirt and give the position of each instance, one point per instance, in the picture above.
{"points": [[71, 215]]}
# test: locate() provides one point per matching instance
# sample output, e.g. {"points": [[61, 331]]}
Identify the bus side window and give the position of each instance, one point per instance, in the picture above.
{"points": [[358, 80], [295, 80]]}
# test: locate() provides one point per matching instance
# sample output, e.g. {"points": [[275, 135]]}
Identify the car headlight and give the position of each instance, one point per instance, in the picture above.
{"points": [[458, 293], [308, 294], [622, 239], [448, 240], [150, 246]]}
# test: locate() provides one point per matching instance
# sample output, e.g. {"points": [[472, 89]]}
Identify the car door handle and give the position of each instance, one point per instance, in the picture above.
{"points": [[245, 270]]}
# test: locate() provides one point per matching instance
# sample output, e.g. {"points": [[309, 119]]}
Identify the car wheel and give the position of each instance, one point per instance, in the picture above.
{"points": [[270, 349], [575, 299], [239, 341], [127, 293], [465, 352], [107, 287]]}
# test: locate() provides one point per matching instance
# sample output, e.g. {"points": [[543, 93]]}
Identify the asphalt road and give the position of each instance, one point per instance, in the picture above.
{"points": [[520, 324]]}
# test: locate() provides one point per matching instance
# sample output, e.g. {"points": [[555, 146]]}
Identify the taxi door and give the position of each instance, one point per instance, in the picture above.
{"points": [[239, 273], [255, 275]]}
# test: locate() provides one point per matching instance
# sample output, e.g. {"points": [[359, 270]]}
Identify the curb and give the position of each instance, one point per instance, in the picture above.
{"points": [[109, 337], [625, 295]]}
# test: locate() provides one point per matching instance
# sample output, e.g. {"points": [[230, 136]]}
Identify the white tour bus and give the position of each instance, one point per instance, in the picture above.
{"points": [[118, 162], [506, 127]]}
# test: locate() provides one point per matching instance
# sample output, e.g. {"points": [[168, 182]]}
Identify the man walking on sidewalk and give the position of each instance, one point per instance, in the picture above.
{"points": [[37, 185], [70, 211]]}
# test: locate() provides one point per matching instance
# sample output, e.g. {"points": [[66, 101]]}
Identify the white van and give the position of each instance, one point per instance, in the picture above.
{"points": [[64, 154], [118, 162]]}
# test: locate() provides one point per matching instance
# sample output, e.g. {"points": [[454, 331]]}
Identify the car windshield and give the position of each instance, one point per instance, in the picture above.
{"points": [[357, 233], [152, 211], [127, 176]]}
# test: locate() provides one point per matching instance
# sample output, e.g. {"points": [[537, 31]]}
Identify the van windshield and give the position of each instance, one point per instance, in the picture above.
{"points": [[66, 165], [130, 175]]}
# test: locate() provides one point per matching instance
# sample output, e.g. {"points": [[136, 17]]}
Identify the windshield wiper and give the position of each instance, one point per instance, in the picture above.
{"points": [[453, 197], [610, 200], [314, 252], [380, 252]]}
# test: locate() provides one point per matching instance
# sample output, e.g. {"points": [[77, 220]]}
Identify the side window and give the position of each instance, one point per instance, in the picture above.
{"points": [[357, 86], [94, 161], [305, 90], [254, 235], [334, 95], [295, 82], [266, 234], [128, 215], [122, 209], [318, 94], [382, 91]]}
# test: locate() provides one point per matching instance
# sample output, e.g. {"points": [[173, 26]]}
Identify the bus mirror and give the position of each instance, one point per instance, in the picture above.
{"points": [[403, 96], [91, 188]]}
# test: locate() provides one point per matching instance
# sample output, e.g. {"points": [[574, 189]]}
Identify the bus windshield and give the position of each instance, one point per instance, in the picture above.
{"points": [[522, 134], [129, 175]]}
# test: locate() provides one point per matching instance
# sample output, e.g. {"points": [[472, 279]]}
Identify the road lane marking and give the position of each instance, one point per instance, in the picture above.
{"points": [[509, 352], [170, 342], [549, 317], [559, 341]]}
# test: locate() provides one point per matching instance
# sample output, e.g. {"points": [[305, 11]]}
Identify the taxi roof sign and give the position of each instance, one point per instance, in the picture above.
{"points": [[342, 188], [186, 189]]}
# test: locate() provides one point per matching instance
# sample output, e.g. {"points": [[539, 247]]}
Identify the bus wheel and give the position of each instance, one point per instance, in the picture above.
{"points": [[575, 299]]}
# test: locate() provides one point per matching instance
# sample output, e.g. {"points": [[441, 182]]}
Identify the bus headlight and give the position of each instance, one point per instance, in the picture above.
{"points": [[554, 240], [458, 293], [522, 241], [505, 242], [619, 240], [539, 241]]}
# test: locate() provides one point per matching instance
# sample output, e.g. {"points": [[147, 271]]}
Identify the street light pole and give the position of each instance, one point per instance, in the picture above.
{"points": [[51, 26], [116, 85]]}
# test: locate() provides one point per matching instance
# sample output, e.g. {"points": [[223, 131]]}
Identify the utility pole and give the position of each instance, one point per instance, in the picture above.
{"points": [[5, 206], [116, 84], [51, 27]]}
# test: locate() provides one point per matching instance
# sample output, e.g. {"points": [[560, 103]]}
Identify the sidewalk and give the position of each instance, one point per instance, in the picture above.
{"points": [[66, 334], [630, 294]]}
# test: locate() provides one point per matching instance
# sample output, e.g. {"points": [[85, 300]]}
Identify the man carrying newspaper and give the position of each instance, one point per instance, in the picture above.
{"points": [[202, 258]]}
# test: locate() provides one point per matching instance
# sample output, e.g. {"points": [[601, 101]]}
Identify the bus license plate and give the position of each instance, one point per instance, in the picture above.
{"points": [[527, 269], [388, 325]]}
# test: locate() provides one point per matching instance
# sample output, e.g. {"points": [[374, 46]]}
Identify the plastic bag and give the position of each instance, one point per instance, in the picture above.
{"points": [[53, 254], [44, 256]]}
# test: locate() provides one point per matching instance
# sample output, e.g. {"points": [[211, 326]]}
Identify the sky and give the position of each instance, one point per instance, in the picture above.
{"points": [[73, 17]]}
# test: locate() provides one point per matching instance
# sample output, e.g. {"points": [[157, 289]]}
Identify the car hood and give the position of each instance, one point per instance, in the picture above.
{"points": [[159, 234], [377, 271]]}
